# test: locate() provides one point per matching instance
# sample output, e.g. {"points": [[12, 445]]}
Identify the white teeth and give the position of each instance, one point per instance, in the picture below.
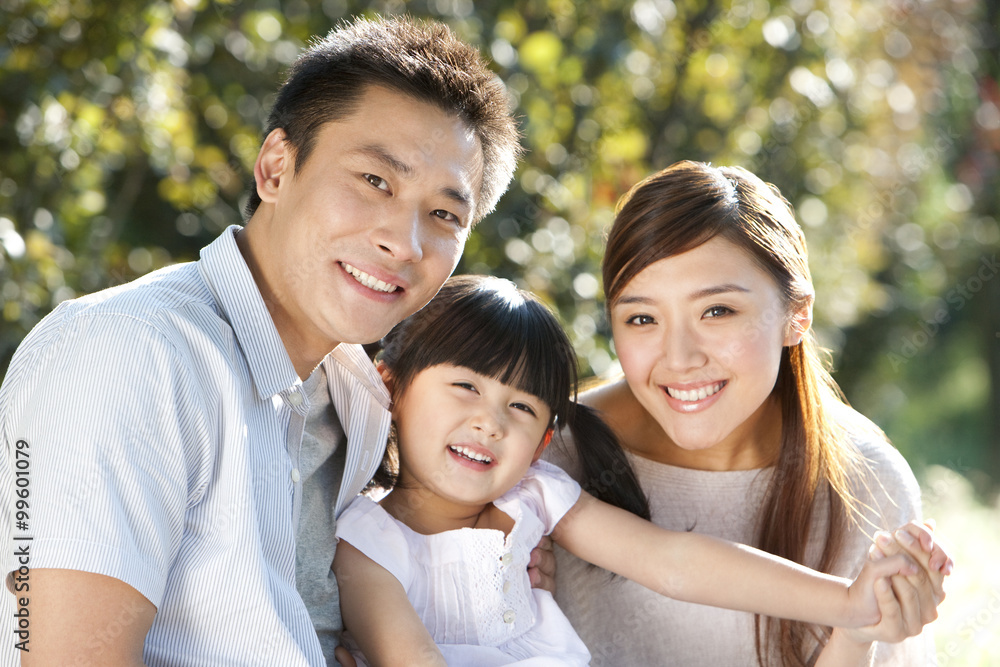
{"points": [[695, 394], [469, 454], [367, 280]]}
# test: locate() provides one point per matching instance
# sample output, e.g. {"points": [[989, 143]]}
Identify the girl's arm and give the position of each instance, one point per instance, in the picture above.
{"points": [[378, 614], [906, 603], [706, 570]]}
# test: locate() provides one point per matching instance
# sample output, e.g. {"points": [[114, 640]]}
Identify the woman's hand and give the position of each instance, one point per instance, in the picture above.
{"points": [[542, 566], [906, 602]]}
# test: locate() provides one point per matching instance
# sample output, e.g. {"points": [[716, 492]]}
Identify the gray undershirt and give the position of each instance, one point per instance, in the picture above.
{"points": [[321, 464]]}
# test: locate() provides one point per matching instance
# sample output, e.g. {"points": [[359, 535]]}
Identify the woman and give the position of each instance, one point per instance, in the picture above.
{"points": [[731, 423]]}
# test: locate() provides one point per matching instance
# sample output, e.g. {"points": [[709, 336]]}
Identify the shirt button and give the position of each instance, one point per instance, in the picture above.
{"points": [[295, 476], [508, 616], [295, 399], [506, 587], [507, 558]]}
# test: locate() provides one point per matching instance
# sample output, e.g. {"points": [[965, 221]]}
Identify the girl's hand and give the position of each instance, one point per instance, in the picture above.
{"points": [[906, 601]]}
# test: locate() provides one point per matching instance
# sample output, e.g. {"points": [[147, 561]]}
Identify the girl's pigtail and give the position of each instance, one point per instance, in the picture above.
{"points": [[606, 472]]}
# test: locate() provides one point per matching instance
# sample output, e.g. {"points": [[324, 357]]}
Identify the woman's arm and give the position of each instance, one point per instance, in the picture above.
{"points": [[378, 614], [706, 570]]}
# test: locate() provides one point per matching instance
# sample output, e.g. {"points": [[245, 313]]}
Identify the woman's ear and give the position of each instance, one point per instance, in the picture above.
{"points": [[799, 323]]}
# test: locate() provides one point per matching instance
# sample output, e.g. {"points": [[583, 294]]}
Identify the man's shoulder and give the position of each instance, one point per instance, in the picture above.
{"points": [[160, 311], [171, 288]]}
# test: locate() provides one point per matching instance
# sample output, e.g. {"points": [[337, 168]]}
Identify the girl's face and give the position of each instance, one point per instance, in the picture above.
{"points": [[700, 336], [465, 437]]}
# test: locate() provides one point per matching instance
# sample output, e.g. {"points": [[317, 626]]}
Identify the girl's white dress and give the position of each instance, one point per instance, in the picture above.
{"points": [[470, 586]]}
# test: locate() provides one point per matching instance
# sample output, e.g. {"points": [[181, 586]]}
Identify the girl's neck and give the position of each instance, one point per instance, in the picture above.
{"points": [[428, 514]]}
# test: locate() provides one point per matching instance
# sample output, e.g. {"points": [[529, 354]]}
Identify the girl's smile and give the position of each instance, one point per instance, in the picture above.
{"points": [[465, 439]]}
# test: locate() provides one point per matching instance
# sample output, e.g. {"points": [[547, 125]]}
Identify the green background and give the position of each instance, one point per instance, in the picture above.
{"points": [[128, 132]]}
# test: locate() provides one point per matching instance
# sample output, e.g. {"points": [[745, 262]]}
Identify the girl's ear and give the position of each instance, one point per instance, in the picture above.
{"points": [[546, 439], [799, 324], [383, 370]]}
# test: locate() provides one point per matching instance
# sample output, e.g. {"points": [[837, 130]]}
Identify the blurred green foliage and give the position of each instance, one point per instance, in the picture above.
{"points": [[128, 132]]}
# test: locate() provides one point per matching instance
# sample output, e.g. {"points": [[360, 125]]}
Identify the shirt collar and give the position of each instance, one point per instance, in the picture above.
{"points": [[228, 277]]}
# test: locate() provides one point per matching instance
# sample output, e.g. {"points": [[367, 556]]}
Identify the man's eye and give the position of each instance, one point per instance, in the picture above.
{"points": [[377, 181], [445, 215]]}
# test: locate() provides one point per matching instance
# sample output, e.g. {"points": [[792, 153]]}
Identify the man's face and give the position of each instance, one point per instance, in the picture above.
{"points": [[369, 228]]}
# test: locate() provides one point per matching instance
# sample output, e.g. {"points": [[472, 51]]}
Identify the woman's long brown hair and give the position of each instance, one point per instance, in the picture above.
{"points": [[680, 208]]}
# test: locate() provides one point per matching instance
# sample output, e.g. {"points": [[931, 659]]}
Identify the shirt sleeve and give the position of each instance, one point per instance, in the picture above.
{"points": [[373, 532], [549, 492], [106, 420], [891, 497]]}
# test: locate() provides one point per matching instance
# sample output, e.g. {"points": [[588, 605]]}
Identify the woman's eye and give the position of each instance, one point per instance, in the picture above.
{"points": [[717, 311], [640, 320], [377, 181]]}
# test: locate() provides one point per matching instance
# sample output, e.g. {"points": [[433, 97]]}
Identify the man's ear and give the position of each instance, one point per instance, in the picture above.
{"points": [[799, 323], [273, 161]]}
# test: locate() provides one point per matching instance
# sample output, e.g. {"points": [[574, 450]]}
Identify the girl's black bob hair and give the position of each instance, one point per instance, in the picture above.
{"points": [[490, 326]]}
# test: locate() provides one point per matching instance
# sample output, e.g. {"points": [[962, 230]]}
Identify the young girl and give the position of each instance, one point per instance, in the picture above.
{"points": [[480, 378], [730, 421]]}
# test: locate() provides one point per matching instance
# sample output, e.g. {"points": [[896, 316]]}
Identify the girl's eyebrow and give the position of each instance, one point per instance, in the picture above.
{"points": [[715, 290]]}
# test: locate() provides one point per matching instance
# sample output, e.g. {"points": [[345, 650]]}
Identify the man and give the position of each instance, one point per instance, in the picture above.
{"points": [[179, 429]]}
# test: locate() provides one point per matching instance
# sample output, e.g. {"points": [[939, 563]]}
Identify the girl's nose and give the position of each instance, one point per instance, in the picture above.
{"points": [[488, 423]]}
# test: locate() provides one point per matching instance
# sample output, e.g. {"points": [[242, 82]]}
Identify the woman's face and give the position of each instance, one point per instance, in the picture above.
{"points": [[700, 336]]}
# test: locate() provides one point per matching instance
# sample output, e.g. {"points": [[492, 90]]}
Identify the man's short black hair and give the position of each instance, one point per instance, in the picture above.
{"points": [[422, 59]]}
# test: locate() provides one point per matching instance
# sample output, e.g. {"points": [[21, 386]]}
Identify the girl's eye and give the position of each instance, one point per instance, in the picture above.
{"points": [[640, 320], [464, 385], [718, 311], [524, 407], [377, 181]]}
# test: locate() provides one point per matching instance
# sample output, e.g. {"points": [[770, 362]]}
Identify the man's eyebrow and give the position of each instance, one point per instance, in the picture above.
{"points": [[460, 197], [381, 154]]}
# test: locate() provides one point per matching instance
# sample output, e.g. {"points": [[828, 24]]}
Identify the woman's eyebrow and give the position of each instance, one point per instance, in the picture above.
{"points": [[714, 290]]}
